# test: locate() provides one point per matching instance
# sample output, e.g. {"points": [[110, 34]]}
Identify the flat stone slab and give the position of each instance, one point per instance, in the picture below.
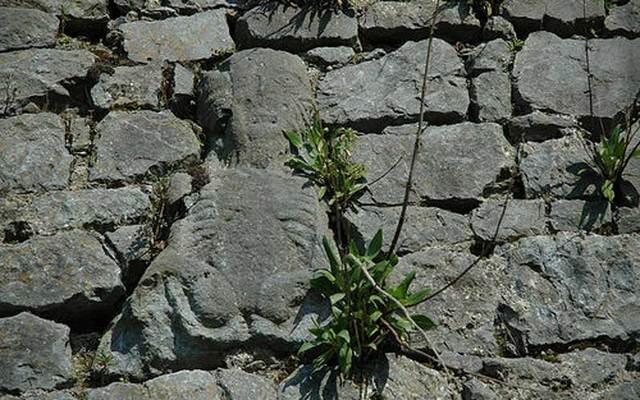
{"points": [[521, 218], [491, 97], [67, 277], [34, 354], [192, 38], [624, 20], [349, 97], [563, 18], [132, 145], [24, 28], [130, 87], [33, 156], [295, 29], [580, 215]]}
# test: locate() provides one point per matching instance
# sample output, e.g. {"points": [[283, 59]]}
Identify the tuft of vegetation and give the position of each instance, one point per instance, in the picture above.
{"points": [[515, 45], [485, 8]]}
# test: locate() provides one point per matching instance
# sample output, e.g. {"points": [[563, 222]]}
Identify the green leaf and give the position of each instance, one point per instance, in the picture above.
{"points": [[375, 245], [400, 291], [423, 321], [336, 298], [333, 259], [415, 298], [345, 357], [306, 346], [344, 335], [607, 191], [294, 138], [375, 316]]}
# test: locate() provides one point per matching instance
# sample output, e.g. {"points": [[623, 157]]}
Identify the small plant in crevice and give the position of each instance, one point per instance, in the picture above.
{"points": [[485, 8], [515, 45]]}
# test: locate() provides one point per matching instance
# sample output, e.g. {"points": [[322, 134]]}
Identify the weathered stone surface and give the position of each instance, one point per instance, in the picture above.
{"points": [[34, 354], [349, 96], [557, 168], [491, 56], [498, 27], [33, 74], [33, 156], [539, 126], [132, 246], [476, 390], [521, 218], [564, 18], [180, 185], [330, 55], [591, 367], [392, 376], [577, 215], [217, 280], [423, 227], [397, 22], [628, 219], [623, 391], [130, 87], [183, 100], [239, 385], [24, 28], [562, 86], [196, 37], [132, 145], [246, 110], [491, 97], [624, 20], [42, 395], [569, 288], [66, 276], [80, 134], [287, 27]]}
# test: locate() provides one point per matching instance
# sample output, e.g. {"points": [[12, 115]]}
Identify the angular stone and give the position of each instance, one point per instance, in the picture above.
{"points": [[393, 377], [539, 126], [498, 27], [476, 390], [67, 277], [423, 227], [246, 110], [521, 218], [132, 245], [491, 56], [287, 27], [234, 274], [132, 145], [118, 391], [623, 391], [624, 20], [397, 22], [24, 28], [562, 86], [80, 132], [130, 87], [197, 37], [34, 74], [348, 97], [563, 18], [491, 97], [240, 385], [628, 219], [577, 215], [591, 367], [183, 100], [34, 354], [180, 186], [330, 55], [33, 156]]}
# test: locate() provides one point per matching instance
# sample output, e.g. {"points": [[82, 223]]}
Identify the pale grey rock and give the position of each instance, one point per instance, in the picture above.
{"points": [[23, 28], [80, 134], [132, 245], [563, 18], [498, 27], [180, 186], [623, 391], [491, 56], [628, 220], [476, 390], [578, 215], [539, 126], [521, 218], [624, 20], [130, 87], [491, 97], [330, 55]]}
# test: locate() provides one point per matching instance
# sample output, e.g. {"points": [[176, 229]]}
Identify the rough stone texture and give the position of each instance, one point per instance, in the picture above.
{"points": [[180, 185], [393, 22], [217, 279], [624, 391], [66, 276], [130, 87], [131, 145], [498, 27], [576, 215], [132, 246], [33, 74], [183, 100], [80, 135], [564, 18], [521, 218], [628, 220], [624, 20], [287, 27], [491, 97], [24, 28], [330, 55], [239, 385], [539, 126], [33, 156], [491, 56], [246, 110], [555, 168], [562, 86], [42, 395], [423, 227], [348, 96], [476, 390], [196, 37], [34, 354], [393, 377]]}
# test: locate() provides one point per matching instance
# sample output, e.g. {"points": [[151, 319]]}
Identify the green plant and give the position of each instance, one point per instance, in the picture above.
{"points": [[515, 45], [485, 8]]}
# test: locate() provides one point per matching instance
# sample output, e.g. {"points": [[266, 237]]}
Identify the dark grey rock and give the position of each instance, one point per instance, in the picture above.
{"points": [[24, 28], [564, 18], [559, 168], [80, 133], [491, 56], [330, 55], [577, 215], [348, 96], [180, 186], [624, 20], [521, 218], [132, 145], [197, 37], [591, 367], [628, 220], [542, 374], [67, 277], [498, 27], [216, 287], [423, 227], [34, 354], [246, 111], [392, 377], [130, 87], [33, 156], [539, 126], [118, 391], [239, 385], [476, 390], [183, 100], [397, 22], [491, 97], [37, 74], [562, 86], [132, 245], [287, 27]]}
